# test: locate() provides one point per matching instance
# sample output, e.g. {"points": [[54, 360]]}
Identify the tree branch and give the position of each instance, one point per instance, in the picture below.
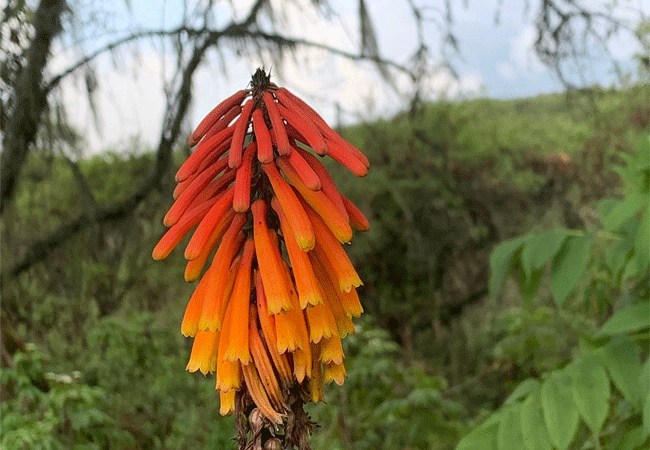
{"points": [[171, 129], [30, 98]]}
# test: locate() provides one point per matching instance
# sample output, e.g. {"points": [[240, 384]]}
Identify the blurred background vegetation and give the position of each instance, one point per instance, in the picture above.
{"points": [[463, 306]]}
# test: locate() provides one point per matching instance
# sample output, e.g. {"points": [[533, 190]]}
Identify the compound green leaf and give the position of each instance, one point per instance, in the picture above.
{"points": [[560, 412], [533, 427], [501, 263], [484, 437], [523, 389], [539, 248], [591, 391], [569, 265], [631, 318], [509, 434], [622, 362], [624, 210]]}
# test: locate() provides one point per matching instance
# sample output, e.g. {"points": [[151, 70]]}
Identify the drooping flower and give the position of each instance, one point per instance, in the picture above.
{"points": [[271, 307]]}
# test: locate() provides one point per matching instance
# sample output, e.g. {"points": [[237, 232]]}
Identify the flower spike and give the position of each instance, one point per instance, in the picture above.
{"points": [[269, 312]]}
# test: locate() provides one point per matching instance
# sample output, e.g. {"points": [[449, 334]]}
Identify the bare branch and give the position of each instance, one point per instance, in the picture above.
{"points": [[30, 98], [171, 128]]}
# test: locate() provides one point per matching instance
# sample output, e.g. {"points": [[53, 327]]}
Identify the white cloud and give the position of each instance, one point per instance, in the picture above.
{"points": [[506, 70], [522, 51]]}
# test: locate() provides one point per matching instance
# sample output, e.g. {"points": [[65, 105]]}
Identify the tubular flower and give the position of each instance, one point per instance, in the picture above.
{"points": [[279, 293]]}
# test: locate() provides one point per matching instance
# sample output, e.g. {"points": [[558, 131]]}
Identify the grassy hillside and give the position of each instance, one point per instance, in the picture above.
{"points": [[93, 357]]}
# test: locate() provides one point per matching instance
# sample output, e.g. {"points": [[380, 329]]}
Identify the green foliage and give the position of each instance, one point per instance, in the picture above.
{"points": [[384, 403], [574, 406], [70, 414]]}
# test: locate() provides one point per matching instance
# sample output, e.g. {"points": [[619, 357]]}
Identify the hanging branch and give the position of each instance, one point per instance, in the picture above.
{"points": [[30, 98]]}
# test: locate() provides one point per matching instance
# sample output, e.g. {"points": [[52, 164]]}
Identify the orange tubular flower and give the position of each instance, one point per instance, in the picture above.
{"points": [[277, 293], [269, 312], [319, 202], [306, 283], [236, 340]]}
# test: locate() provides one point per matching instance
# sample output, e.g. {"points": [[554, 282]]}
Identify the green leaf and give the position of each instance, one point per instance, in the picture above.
{"points": [[539, 248], [560, 413], [633, 439], [605, 205], [528, 285], [643, 153], [618, 254], [484, 437], [569, 265], [646, 413], [624, 210], [533, 428], [622, 362], [509, 434], [523, 389], [631, 318], [591, 391], [501, 263], [645, 381], [642, 243]]}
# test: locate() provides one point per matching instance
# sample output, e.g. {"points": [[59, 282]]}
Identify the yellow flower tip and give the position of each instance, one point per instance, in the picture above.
{"points": [[311, 299], [192, 272], [316, 384], [303, 273], [321, 322], [227, 402], [191, 318], [286, 334], [332, 254], [334, 372], [213, 311], [331, 297], [294, 211], [350, 302], [348, 283], [302, 364], [332, 351], [306, 241], [269, 261], [228, 375], [204, 351]]}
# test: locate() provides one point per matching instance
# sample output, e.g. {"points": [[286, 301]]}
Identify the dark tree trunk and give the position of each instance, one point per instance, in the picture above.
{"points": [[30, 97]]}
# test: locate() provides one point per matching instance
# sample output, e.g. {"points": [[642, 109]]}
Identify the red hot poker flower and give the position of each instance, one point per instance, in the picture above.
{"points": [[269, 313]]}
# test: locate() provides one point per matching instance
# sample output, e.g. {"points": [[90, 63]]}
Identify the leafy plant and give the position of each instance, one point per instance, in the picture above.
{"points": [[385, 403], [597, 398], [70, 414]]}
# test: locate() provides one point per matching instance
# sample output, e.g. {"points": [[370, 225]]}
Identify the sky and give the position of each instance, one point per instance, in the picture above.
{"points": [[495, 61]]}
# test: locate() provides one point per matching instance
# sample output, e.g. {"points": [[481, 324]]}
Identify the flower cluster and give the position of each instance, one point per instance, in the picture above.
{"points": [[269, 312]]}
